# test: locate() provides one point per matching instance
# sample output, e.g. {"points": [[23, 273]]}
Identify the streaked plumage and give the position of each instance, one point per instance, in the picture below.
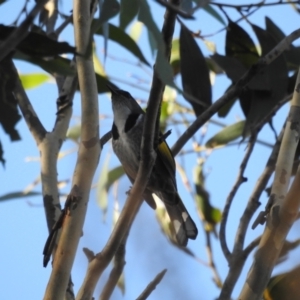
{"points": [[127, 132]]}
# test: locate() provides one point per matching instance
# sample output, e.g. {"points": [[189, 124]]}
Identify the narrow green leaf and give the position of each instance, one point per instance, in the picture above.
{"points": [[164, 69], [129, 9], [113, 175], [194, 72], [58, 65], [106, 179], [240, 45], [136, 30], [33, 80], [209, 214], [175, 57], [274, 30], [256, 104], [226, 135], [108, 10], [210, 10], [37, 44], [145, 16], [101, 191], [18, 195], [121, 37], [102, 83]]}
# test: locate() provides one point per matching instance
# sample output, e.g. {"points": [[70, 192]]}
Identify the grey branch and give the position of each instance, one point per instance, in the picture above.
{"points": [[21, 32], [152, 285]]}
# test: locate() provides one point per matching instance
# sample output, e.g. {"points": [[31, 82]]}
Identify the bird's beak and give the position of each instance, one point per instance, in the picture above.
{"points": [[112, 89]]}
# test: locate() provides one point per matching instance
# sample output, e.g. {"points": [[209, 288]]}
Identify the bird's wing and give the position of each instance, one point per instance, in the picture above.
{"points": [[164, 153], [147, 195]]}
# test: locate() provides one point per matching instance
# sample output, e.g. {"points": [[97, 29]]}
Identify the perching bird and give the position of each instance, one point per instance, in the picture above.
{"points": [[127, 132]]}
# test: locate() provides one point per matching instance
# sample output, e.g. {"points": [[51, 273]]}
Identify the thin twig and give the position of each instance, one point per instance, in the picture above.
{"points": [[249, 6], [282, 207], [152, 285], [251, 246], [116, 272], [134, 200], [211, 262], [175, 9], [21, 32], [238, 255], [240, 179]]}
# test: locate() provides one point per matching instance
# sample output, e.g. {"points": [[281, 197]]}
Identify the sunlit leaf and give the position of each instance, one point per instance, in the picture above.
{"points": [[97, 63], [121, 283], [226, 135], [74, 132], [194, 72], [33, 80], [136, 30], [175, 57]]}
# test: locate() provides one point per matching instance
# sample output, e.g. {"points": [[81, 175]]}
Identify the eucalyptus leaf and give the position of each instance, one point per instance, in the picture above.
{"points": [[226, 135], [194, 72], [33, 80], [122, 38], [18, 195]]}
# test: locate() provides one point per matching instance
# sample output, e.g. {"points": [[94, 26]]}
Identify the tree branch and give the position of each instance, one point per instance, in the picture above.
{"points": [[239, 255], [284, 206], [134, 200], [240, 179], [235, 90], [88, 156], [152, 285], [119, 263]]}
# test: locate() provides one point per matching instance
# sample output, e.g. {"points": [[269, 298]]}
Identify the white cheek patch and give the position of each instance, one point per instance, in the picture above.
{"points": [[120, 117]]}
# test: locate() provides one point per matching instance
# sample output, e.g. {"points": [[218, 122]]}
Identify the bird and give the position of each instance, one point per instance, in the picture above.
{"points": [[127, 130]]}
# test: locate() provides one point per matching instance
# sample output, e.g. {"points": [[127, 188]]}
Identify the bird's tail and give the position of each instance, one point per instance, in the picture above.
{"points": [[183, 224]]}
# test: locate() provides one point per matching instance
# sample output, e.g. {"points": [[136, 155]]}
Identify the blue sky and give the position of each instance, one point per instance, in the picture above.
{"points": [[22, 222]]}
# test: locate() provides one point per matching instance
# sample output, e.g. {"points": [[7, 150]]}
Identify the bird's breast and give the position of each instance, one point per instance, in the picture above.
{"points": [[127, 149]]}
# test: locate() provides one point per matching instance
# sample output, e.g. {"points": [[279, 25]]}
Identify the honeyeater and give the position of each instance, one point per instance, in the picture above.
{"points": [[127, 132]]}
